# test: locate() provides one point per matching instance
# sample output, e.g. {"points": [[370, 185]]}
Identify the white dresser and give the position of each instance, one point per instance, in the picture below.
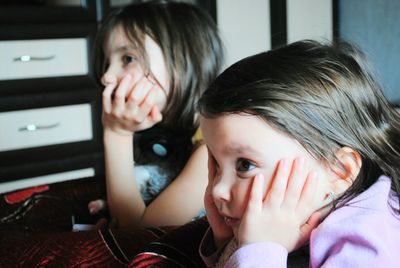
{"points": [[50, 106]]}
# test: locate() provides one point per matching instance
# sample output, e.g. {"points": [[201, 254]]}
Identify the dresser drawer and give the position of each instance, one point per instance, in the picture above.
{"points": [[45, 126], [21, 59], [46, 179]]}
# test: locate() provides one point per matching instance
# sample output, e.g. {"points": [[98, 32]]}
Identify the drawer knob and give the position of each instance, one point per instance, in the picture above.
{"points": [[33, 127], [27, 58]]}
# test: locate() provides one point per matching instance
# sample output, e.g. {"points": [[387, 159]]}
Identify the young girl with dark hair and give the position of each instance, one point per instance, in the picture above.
{"points": [[154, 60], [303, 152]]}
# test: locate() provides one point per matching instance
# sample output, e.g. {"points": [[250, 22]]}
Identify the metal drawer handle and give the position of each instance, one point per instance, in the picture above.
{"points": [[33, 127], [27, 58]]}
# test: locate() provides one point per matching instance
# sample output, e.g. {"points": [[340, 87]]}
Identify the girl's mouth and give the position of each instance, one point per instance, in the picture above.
{"points": [[231, 222]]}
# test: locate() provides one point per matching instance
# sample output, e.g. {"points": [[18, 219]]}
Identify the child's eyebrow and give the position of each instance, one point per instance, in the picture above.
{"points": [[239, 149], [123, 48]]}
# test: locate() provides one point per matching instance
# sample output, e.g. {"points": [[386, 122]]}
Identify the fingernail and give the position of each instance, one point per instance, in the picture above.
{"points": [[313, 175], [300, 160], [284, 163]]}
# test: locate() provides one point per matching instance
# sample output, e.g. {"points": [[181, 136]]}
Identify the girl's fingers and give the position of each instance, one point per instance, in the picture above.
{"points": [[296, 183], [152, 118], [155, 114], [107, 100], [141, 102], [140, 91], [307, 227], [277, 191], [135, 108], [307, 203], [309, 188], [154, 80], [120, 94], [255, 203], [132, 105], [148, 103]]}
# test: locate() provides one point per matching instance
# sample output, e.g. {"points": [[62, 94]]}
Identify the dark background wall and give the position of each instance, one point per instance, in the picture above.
{"points": [[375, 27]]}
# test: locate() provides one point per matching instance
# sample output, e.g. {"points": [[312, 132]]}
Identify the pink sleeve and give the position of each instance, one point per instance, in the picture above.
{"points": [[263, 254], [363, 233], [336, 246]]}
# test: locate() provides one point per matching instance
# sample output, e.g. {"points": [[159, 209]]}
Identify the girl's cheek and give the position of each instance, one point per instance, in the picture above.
{"points": [[161, 100], [135, 71], [245, 193]]}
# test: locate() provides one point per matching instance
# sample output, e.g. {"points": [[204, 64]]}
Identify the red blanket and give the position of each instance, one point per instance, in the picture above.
{"points": [[35, 231]]}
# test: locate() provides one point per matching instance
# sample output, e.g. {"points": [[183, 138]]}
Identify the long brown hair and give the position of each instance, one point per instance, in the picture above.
{"points": [[322, 95]]}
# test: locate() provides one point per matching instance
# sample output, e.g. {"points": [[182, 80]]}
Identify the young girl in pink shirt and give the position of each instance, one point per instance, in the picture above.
{"points": [[303, 153]]}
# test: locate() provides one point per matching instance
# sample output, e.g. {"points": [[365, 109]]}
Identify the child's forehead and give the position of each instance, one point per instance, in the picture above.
{"points": [[117, 40], [237, 129], [244, 131]]}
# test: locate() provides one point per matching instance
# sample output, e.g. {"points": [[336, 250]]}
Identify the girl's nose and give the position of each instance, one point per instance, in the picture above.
{"points": [[111, 76], [222, 189]]}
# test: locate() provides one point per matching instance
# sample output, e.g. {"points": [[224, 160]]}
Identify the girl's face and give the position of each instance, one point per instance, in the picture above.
{"points": [[122, 58], [243, 146]]}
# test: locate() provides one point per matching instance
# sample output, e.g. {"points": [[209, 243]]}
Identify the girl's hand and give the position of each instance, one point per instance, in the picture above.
{"points": [[221, 232], [285, 215], [132, 106]]}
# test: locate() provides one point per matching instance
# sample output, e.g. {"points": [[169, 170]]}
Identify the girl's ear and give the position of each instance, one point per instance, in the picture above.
{"points": [[347, 172]]}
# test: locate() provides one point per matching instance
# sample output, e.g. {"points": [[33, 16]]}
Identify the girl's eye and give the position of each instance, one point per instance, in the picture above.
{"points": [[244, 165], [126, 59]]}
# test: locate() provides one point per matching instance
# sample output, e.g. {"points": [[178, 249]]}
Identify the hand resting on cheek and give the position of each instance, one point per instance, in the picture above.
{"points": [[132, 106], [288, 212]]}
